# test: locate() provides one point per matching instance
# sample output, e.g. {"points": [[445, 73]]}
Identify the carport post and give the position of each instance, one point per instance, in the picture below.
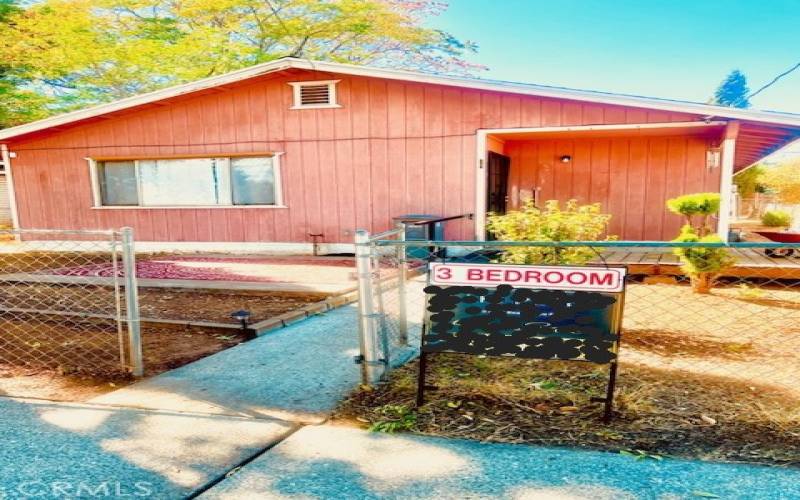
{"points": [[132, 302], [370, 360]]}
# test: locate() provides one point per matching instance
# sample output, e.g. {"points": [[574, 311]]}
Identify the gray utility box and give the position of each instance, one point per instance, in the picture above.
{"points": [[421, 232]]}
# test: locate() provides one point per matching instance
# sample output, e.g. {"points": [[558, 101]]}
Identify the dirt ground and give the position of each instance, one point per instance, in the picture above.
{"points": [[159, 303], [711, 376], [164, 347]]}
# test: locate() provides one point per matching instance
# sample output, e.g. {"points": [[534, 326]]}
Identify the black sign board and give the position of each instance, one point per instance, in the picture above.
{"points": [[575, 323]]}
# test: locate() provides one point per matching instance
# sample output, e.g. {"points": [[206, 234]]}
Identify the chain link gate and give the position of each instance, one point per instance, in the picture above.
{"points": [[69, 301], [743, 336]]}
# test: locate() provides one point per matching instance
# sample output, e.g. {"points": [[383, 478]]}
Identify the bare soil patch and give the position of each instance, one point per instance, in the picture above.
{"points": [[710, 376], [164, 346]]}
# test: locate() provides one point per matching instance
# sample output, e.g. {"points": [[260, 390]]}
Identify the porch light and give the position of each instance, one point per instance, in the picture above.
{"points": [[566, 158], [713, 155]]}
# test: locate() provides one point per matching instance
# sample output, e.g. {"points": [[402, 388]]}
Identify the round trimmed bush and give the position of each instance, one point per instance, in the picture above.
{"points": [[776, 218]]}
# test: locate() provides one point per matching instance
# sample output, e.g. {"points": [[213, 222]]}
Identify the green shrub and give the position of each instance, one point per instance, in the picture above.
{"points": [[776, 218], [552, 223], [702, 265], [694, 206]]}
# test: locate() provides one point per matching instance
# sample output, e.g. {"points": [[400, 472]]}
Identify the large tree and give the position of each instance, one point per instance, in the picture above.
{"points": [[17, 102], [784, 180], [733, 91], [72, 53]]}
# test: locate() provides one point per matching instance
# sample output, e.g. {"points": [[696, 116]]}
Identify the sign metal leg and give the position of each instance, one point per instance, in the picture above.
{"points": [[423, 361], [612, 382]]}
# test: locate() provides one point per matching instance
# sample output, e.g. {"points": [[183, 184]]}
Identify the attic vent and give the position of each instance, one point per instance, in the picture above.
{"points": [[317, 94]]}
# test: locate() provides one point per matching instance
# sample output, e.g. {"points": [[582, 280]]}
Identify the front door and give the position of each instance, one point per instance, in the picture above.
{"points": [[497, 186]]}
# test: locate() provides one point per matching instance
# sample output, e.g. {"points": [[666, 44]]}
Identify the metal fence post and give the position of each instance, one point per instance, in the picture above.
{"points": [[370, 360], [132, 302], [403, 279]]}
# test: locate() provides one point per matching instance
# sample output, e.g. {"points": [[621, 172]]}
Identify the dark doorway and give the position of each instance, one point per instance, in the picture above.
{"points": [[497, 183]]}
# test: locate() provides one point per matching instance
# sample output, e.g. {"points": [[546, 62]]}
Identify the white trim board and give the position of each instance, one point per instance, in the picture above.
{"points": [[12, 195], [771, 117]]}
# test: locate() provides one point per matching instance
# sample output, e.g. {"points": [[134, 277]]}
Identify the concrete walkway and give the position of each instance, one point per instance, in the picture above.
{"points": [[241, 424], [322, 462], [298, 373], [59, 450], [175, 434]]}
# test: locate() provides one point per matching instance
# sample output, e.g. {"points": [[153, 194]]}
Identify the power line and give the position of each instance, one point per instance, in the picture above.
{"points": [[774, 80]]}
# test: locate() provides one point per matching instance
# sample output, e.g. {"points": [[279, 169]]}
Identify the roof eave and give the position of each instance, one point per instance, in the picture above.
{"points": [[393, 74]]}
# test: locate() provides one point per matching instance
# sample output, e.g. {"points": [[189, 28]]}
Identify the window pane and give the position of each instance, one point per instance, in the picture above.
{"points": [[118, 183], [201, 181], [253, 181]]}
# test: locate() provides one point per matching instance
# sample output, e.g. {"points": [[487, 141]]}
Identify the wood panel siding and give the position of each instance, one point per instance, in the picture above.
{"points": [[392, 148], [631, 178]]}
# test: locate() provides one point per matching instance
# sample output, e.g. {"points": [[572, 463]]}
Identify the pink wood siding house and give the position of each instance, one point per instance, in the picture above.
{"points": [[274, 153]]}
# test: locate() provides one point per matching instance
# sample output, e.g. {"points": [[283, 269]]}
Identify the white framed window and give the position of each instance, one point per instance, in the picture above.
{"points": [[244, 181], [314, 94]]}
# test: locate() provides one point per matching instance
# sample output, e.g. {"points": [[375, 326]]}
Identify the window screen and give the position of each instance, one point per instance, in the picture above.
{"points": [[253, 181], [118, 183]]}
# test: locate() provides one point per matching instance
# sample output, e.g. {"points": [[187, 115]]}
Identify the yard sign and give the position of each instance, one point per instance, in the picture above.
{"points": [[570, 313]]}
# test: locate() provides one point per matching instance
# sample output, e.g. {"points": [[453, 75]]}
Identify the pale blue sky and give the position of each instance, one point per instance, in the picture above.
{"points": [[678, 49]]}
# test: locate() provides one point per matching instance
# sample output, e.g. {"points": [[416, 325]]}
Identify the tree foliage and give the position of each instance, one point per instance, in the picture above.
{"points": [[733, 91], [748, 182], [696, 209], [73, 53], [552, 223], [784, 181]]}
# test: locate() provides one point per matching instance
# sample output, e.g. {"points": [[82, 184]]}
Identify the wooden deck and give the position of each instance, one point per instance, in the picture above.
{"points": [[750, 263]]}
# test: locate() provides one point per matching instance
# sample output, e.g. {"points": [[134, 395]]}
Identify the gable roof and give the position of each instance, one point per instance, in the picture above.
{"points": [[766, 117]]}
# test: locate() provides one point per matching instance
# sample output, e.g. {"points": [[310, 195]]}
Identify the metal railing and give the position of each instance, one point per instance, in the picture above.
{"points": [[69, 301]]}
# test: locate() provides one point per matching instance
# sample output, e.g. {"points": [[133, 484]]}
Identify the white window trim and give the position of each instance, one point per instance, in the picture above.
{"points": [[296, 100], [97, 195]]}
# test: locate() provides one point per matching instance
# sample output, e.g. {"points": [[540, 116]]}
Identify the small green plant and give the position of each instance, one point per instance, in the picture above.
{"points": [[702, 265], [697, 209], [776, 218], [396, 418], [552, 223], [747, 292]]}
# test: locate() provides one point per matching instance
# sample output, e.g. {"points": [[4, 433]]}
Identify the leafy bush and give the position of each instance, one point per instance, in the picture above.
{"points": [[702, 265], [776, 218], [691, 206], [552, 223]]}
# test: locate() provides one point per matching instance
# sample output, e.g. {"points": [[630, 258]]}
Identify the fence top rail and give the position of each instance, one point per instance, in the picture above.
{"points": [[597, 244], [386, 234], [99, 232]]}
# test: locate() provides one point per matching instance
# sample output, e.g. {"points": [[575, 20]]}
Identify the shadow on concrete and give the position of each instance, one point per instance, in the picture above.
{"points": [[75, 450], [338, 462]]}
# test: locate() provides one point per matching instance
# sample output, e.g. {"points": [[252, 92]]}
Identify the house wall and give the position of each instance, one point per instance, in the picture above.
{"points": [[631, 178], [392, 148]]}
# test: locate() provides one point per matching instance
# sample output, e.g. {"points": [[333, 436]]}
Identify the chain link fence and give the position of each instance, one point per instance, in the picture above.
{"points": [[57, 313], [744, 333]]}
